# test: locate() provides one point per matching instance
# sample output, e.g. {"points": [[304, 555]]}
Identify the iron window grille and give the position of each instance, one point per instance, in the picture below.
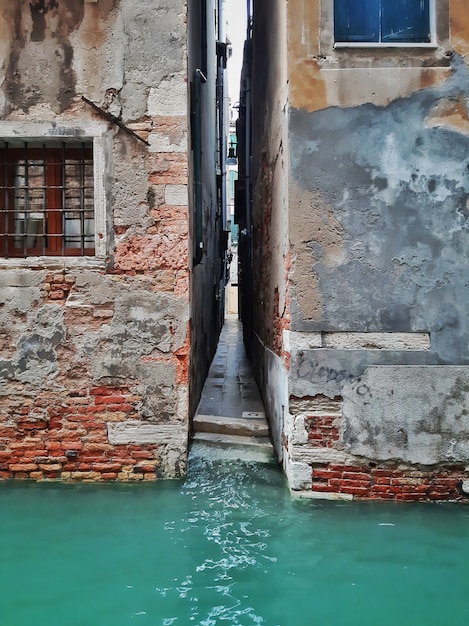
{"points": [[46, 199]]}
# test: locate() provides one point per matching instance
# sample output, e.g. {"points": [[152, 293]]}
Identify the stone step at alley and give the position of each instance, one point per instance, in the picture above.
{"points": [[230, 420]]}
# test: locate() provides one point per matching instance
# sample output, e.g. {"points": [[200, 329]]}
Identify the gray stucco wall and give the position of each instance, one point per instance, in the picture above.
{"points": [[379, 224], [388, 192]]}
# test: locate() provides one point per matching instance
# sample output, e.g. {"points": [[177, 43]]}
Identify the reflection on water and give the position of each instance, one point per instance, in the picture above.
{"points": [[227, 508], [226, 546]]}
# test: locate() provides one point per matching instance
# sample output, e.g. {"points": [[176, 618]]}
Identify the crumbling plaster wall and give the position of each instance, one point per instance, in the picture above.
{"points": [[94, 351], [271, 257], [378, 214], [109, 47]]}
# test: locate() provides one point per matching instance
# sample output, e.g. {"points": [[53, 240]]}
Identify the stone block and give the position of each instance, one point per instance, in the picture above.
{"points": [[419, 415], [134, 431]]}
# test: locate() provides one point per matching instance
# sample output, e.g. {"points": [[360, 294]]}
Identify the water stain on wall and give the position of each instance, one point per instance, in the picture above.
{"points": [[40, 58], [316, 235]]}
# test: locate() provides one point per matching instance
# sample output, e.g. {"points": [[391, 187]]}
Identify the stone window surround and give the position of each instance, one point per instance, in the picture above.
{"points": [[95, 131], [432, 42], [352, 54]]}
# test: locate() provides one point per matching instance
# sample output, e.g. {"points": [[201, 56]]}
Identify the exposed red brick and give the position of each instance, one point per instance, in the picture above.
{"points": [[108, 391], [323, 488], [327, 474], [88, 457], [146, 467], [109, 475], [169, 169], [389, 483], [71, 445], [152, 252], [22, 467], [120, 407], [381, 480], [32, 425], [142, 454], [182, 360], [384, 489], [111, 399], [356, 476], [106, 467], [50, 467], [355, 490]]}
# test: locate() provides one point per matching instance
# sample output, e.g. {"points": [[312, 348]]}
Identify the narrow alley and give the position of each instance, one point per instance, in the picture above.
{"points": [[230, 419]]}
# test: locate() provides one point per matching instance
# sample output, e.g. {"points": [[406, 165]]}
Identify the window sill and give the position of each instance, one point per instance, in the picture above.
{"points": [[55, 263], [377, 45]]}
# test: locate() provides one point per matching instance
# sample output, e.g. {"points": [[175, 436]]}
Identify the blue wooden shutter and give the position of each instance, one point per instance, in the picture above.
{"points": [[356, 20], [407, 21]]}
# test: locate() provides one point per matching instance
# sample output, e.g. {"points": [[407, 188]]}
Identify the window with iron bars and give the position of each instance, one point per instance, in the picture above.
{"points": [[46, 199]]}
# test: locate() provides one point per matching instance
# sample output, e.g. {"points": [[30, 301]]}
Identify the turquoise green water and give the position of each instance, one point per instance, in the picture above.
{"points": [[226, 546]]}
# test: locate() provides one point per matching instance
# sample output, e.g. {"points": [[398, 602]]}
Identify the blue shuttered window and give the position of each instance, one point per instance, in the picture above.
{"points": [[382, 21], [356, 20], [405, 20]]}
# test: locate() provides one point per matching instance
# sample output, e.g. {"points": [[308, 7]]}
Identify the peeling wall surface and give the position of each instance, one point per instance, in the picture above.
{"points": [[265, 231], [94, 350], [378, 222]]}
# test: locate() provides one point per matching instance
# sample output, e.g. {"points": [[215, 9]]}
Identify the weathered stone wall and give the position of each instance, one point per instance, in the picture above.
{"points": [[269, 223], [378, 215], [95, 350], [207, 276]]}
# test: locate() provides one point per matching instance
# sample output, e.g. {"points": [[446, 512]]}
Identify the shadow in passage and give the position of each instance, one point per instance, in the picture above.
{"points": [[230, 416]]}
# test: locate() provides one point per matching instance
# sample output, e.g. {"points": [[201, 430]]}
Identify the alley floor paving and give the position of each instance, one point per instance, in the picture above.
{"points": [[230, 419]]}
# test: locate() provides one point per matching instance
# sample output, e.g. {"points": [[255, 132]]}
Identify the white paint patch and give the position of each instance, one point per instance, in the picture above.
{"points": [[142, 314], [169, 98], [176, 195], [286, 340], [160, 142], [298, 434]]}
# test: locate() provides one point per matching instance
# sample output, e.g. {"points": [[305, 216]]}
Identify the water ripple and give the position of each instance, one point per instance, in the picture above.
{"points": [[225, 514]]}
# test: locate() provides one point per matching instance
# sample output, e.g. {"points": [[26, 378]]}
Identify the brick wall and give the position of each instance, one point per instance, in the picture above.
{"points": [[319, 462], [389, 483], [51, 437], [94, 351], [323, 430]]}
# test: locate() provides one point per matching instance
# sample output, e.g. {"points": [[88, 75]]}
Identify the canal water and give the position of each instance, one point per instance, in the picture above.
{"points": [[226, 546]]}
